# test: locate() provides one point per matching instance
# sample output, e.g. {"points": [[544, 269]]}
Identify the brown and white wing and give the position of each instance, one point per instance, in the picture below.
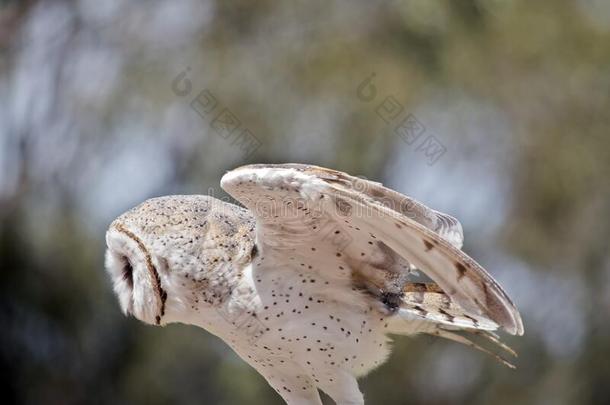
{"points": [[370, 227]]}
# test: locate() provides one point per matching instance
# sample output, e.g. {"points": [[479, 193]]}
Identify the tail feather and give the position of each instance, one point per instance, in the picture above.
{"points": [[451, 335], [428, 301], [494, 339], [427, 309]]}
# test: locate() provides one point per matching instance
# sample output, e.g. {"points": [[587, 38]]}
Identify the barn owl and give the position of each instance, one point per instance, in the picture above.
{"points": [[308, 280]]}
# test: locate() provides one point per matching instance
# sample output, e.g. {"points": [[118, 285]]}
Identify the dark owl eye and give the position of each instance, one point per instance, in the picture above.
{"points": [[127, 271]]}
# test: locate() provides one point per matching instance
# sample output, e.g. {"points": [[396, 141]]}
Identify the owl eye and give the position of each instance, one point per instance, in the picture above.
{"points": [[127, 271]]}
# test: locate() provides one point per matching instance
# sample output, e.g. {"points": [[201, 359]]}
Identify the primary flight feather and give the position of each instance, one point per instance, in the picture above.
{"points": [[306, 282]]}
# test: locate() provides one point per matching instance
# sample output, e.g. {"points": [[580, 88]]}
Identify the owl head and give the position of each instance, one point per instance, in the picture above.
{"points": [[171, 257]]}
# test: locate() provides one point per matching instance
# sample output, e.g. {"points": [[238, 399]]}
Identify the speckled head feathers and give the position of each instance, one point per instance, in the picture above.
{"points": [[161, 250]]}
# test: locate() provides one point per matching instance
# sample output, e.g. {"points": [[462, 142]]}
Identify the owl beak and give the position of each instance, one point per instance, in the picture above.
{"points": [[136, 280]]}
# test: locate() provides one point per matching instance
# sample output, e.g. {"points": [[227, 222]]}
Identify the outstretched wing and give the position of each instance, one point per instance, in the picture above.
{"points": [[376, 230]]}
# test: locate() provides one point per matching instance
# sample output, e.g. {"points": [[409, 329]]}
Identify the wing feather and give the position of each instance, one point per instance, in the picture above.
{"points": [[423, 237]]}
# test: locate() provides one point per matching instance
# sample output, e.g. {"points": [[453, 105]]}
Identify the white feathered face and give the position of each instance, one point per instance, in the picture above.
{"points": [[169, 257], [135, 274]]}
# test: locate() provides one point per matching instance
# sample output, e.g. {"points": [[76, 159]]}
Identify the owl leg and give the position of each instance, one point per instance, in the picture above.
{"points": [[291, 382], [342, 387]]}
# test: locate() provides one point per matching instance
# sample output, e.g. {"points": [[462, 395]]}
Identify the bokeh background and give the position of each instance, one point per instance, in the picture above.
{"points": [[508, 107]]}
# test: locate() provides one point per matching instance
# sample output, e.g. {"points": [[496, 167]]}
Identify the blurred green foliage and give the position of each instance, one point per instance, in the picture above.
{"points": [[90, 126]]}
